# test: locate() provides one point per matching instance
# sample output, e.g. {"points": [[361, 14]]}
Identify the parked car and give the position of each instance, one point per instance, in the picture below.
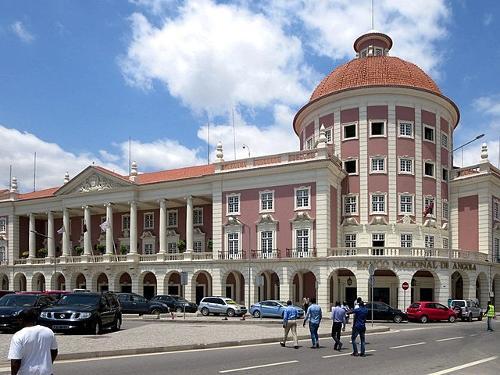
{"points": [[132, 303], [87, 312], [5, 292], [11, 305], [383, 311], [272, 309], [467, 309], [176, 303], [221, 305], [54, 294], [427, 311]]}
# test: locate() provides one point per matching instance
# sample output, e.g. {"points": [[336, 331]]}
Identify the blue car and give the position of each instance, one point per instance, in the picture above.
{"points": [[272, 309]]}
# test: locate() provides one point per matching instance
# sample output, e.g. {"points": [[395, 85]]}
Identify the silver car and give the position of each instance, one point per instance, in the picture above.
{"points": [[467, 309], [220, 305]]}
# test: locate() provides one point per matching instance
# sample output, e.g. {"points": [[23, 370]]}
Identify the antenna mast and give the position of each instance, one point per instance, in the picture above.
{"points": [[373, 23], [208, 140], [34, 172], [129, 155]]}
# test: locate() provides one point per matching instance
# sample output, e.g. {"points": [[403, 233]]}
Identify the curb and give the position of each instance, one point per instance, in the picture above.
{"points": [[176, 348], [190, 320]]}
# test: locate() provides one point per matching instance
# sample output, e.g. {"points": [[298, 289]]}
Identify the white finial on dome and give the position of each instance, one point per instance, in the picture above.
{"points": [[484, 153], [66, 177], [13, 185], [219, 154], [133, 171], [322, 137]]}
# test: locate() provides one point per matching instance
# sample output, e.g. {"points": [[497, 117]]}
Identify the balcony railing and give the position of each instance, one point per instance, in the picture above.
{"points": [[271, 254], [415, 252]]}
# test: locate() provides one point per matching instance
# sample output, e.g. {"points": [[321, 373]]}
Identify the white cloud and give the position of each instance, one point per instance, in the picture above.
{"points": [[273, 139], [156, 7], [472, 154], [214, 56], [21, 32], [487, 19], [414, 26], [489, 105], [160, 154], [52, 161]]}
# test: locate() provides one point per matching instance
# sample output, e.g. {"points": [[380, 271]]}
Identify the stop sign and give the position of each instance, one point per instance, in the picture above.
{"points": [[405, 286]]}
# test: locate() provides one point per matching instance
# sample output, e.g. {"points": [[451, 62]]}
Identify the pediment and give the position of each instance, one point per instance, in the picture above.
{"points": [[93, 179]]}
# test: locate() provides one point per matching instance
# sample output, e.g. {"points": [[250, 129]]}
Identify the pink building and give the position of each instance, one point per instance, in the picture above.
{"points": [[373, 183]]}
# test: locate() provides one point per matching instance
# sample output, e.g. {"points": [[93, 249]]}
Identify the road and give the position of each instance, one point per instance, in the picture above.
{"points": [[435, 348]]}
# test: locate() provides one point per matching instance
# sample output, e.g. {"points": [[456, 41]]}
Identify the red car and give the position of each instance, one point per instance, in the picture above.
{"points": [[427, 311]]}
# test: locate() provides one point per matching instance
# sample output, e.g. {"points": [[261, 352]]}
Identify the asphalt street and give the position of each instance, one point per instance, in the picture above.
{"points": [[435, 348]]}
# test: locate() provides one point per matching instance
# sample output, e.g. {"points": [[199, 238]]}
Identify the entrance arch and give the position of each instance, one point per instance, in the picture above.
{"points": [[201, 285], [148, 281], [124, 283], [5, 282], [80, 281], [20, 282], [173, 285], [459, 283], [385, 287], [303, 285], [342, 287], [482, 290], [271, 286], [38, 282], [234, 286], [102, 282], [423, 286], [58, 281]]}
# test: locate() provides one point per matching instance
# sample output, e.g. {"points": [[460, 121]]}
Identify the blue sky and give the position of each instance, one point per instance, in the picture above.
{"points": [[78, 78]]}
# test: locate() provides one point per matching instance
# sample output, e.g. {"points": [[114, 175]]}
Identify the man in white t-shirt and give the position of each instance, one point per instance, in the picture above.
{"points": [[33, 349]]}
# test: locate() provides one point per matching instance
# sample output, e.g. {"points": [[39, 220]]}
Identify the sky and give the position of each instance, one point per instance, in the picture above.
{"points": [[81, 80]]}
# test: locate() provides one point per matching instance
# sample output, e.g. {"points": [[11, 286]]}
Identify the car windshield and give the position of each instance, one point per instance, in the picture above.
{"points": [[79, 299], [415, 305], [231, 302], [458, 303], [18, 300]]}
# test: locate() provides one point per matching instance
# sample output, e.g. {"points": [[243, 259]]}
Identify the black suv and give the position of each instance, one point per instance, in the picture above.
{"points": [[176, 303], [132, 303], [382, 311], [87, 312], [11, 305]]}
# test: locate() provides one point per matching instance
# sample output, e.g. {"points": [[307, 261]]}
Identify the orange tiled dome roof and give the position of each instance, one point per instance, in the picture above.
{"points": [[375, 71]]}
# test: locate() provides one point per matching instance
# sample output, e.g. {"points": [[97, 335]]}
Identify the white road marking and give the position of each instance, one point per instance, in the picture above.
{"points": [[258, 366], [407, 345], [466, 365], [474, 334], [450, 338], [341, 355]]}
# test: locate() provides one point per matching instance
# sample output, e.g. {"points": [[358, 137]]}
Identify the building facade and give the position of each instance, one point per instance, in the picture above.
{"points": [[371, 200]]}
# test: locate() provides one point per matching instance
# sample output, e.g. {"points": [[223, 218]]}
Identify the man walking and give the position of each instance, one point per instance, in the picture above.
{"points": [[33, 349], [359, 328], [490, 314], [290, 324], [338, 318], [313, 315]]}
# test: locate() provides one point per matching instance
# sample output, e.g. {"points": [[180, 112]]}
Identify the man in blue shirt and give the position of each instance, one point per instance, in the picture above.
{"points": [[314, 316], [338, 318], [290, 324], [359, 328]]}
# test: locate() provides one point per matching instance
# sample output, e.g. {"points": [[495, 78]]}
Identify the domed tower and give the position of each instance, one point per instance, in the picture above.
{"points": [[391, 126]]}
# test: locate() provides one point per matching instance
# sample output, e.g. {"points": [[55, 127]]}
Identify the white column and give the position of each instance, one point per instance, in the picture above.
{"points": [[109, 229], [323, 215], [32, 237], [66, 233], [51, 243], [363, 166], [217, 234], [87, 238], [418, 165], [133, 227], [13, 233], [163, 226], [189, 224]]}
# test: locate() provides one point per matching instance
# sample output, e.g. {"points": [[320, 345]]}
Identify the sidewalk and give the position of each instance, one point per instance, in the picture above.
{"points": [[167, 335]]}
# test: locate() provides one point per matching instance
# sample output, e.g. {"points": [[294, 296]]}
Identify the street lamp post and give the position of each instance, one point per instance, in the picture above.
{"points": [[465, 144]]}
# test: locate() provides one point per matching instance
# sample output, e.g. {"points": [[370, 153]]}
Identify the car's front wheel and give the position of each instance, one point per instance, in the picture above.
{"points": [[398, 319], [452, 319], [256, 314], [204, 311], [96, 328], [424, 319], [470, 317], [117, 324], [230, 312], [155, 311]]}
